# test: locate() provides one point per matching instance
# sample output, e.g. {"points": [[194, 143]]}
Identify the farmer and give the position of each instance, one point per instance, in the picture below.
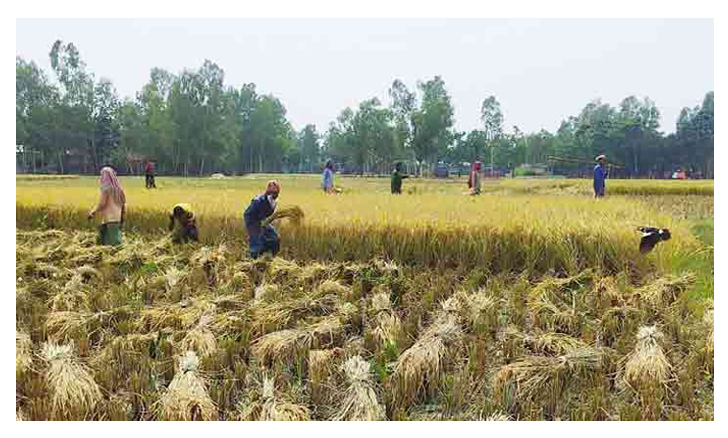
{"points": [[182, 224], [328, 177], [111, 207], [262, 238], [474, 178], [149, 173], [397, 178], [600, 175]]}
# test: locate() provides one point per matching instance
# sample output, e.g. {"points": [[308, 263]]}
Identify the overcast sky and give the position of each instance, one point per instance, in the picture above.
{"points": [[541, 71]]}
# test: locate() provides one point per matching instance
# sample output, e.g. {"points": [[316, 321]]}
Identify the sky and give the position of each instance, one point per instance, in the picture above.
{"points": [[541, 71]]}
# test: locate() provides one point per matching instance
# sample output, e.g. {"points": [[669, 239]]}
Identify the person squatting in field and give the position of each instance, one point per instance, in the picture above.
{"points": [[474, 179], [182, 224], [111, 207], [600, 175], [262, 238], [397, 177], [328, 177]]}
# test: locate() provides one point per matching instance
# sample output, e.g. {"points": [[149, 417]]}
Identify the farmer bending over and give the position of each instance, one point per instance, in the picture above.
{"points": [[262, 238], [182, 224], [111, 207], [600, 175]]}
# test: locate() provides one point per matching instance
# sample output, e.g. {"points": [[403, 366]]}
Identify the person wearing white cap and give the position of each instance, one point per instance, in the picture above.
{"points": [[600, 175]]}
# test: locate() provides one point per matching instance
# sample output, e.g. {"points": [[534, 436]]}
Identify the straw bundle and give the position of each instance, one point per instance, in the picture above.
{"points": [[539, 376], [74, 393], [497, 416], [360, 400], [186, 397], [294, 214], [554, 343], [200, 339], [708, 321], [664, 291], [647, 366], [419, 368], [23, 358], [272, 408], [71, 297], [388, 328]]}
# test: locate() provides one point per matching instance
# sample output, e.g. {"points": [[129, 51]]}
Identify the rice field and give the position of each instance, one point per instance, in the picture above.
{"points": [[530, 302]]}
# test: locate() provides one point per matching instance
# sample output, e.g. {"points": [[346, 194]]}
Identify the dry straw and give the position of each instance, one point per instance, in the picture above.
{"points": [[186, 397], [647, 366], [388, 329], [74, 393], [200, 339], [23, 356], [420, 367], [540, 376], [294, 213], [360, 400], [273, 408]]}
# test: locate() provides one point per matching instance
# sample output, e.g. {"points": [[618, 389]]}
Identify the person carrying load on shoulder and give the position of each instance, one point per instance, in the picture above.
{"points": [[262, 238], [182, 224], [111, 207], [600, 175], [397, 177]]}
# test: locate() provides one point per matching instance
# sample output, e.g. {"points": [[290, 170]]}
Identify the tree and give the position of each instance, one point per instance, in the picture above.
{"points": [[492, 118]]}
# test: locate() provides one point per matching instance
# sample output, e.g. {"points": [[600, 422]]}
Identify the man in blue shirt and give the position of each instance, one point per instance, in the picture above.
{"points": [[600, 175], [262, 238]]}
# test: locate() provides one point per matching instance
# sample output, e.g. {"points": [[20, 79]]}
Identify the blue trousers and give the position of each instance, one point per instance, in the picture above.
{"points": [[263, 240]]}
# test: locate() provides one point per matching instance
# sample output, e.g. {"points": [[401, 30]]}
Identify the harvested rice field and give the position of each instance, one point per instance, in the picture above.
{"points": [[530, 302]]}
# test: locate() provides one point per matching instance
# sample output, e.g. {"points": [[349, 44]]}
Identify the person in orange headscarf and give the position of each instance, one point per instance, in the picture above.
{"points": [[111, 207], [474, 178], [262, 238]]}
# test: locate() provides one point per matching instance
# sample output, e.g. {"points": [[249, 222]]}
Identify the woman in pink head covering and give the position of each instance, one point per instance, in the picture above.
{"points": [[474, 179], [111, 207]]}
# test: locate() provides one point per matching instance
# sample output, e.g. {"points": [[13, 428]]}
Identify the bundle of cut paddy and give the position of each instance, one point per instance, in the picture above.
{"points": [[74, 393], [179, 316], [482, 310], [647, 366], [67, 325], [173, 279], [200, 339], [321, 367], [607, 294], [267, 292], [708, 317], [210, 260], [122, 348], [535, 376], [281, 312], [551, 313], [419, 368], [664, 291], [497, 416], [23, 358], [73, 296], [285, 346], [554, 343], [294, 214], [186, 397], [282, 271], [388, 329], [360, 400], [273, 408]]}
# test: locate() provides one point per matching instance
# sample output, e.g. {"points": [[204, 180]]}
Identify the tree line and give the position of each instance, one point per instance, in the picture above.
{"points": [[192, 123]]}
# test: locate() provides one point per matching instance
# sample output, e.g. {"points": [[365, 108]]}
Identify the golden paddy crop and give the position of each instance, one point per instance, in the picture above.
{"points": [[217, 352], [528, 302]]}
